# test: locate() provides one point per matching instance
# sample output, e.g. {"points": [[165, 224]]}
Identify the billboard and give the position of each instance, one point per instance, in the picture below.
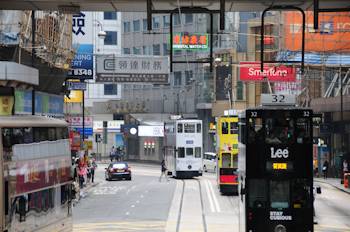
{"points": [[187, 41], [82, 63], [6, 105], [23, 102], [151, 131], [223, 82], [250, 71], [148, 69], [333, 34], [75, 96]]}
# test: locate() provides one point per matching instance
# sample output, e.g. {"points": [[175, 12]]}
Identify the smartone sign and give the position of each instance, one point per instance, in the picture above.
{"points": [[149, 69]]}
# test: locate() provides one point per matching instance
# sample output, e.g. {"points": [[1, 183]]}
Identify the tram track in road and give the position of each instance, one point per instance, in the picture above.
{"points": [[181, 207]]}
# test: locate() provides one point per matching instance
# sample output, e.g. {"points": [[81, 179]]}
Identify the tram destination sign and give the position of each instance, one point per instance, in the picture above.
{"points": [[278, 99], [145, 69]]}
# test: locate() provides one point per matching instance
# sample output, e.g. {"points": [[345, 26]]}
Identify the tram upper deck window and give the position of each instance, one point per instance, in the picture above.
{"points": [[189, 128], [279, 194], [179, 128], [257, 197], [199, 128], [255, 130], [279, 130], [224, 128], [303, 130], [13, 136], [233, 128]]}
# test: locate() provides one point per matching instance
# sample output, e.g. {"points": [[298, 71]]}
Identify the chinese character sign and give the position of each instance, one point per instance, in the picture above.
{"points": [[190, 41], [148, 69]]}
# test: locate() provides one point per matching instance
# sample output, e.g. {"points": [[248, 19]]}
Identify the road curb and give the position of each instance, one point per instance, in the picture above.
{"points": [[333, 185]]}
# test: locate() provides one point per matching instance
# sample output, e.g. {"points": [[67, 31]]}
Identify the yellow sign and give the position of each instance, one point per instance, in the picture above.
{"points": [[6, 105], [279, 166], [88, 144], [75, 96]]}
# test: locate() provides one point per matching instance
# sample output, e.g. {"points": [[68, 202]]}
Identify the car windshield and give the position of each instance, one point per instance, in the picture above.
{"points": [[119, 166]]}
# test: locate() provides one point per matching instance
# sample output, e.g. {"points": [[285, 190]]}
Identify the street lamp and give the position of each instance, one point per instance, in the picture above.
{"points": [[101, 34]]}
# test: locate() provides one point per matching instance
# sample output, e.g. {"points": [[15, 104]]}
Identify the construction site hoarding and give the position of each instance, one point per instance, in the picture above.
{"points": [[333, 35], [145, 69]]}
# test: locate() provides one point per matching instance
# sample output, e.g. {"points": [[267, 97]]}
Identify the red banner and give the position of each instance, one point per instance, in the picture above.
{"points": [[36, 174], [250, 71]]}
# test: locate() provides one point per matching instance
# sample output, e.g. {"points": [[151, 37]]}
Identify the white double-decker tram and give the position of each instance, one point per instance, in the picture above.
{"points": [[183, 148]]}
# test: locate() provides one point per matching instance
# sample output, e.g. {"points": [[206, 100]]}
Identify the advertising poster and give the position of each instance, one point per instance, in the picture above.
{"points": [[82, 64], [6, 105], [23, 102]]}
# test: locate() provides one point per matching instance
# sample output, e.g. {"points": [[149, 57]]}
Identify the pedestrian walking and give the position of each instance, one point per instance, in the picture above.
{"points": [[163, 171], [92, 169], [325, 169], [111, 153], [345, 167], [81, 174]]}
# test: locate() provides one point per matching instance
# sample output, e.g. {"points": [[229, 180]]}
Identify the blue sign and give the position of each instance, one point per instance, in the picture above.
{"points": [[189, 141], [87, 130], [82, 64], [76, 86]]}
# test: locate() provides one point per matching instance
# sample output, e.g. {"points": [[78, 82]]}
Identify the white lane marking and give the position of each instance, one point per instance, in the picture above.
{"points": [[209, 197], [141, 196], [137, 202], [132, 206], [127, 213], [216, 203]]}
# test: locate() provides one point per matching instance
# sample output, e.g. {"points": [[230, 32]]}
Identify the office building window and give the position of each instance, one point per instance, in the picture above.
{"points": [[155, 22], [144, 24], [176, 19], [240, 90], [110, 15], [136, 50], [188, 18], [111, 38], [166, 49], [126, 27], [166, 21], [189, 77], [177, 78], [126, 51], [110, 89], [136, 25], [156, 49]]}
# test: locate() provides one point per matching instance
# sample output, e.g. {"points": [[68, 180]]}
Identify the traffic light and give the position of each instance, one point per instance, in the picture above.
{"points": [[97, 138]]}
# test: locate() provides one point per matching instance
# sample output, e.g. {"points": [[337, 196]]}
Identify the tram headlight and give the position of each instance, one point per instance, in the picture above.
{"points": [[280, 228], [189, 166]]}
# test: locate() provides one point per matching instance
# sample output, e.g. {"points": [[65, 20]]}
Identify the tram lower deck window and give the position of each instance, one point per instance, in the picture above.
{"points": [[181, 152], [257, 197], [279, 194]]}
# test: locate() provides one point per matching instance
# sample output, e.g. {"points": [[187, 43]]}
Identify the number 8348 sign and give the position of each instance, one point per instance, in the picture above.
{"points": [[278, 99]]}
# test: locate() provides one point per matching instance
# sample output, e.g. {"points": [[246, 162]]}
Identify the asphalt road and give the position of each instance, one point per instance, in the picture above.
{"points": [[332, 209], [145, 204], [138, 205]]}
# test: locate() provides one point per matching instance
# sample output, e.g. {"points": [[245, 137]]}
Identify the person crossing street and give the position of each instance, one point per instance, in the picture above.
{"points": [[163, 171]]}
